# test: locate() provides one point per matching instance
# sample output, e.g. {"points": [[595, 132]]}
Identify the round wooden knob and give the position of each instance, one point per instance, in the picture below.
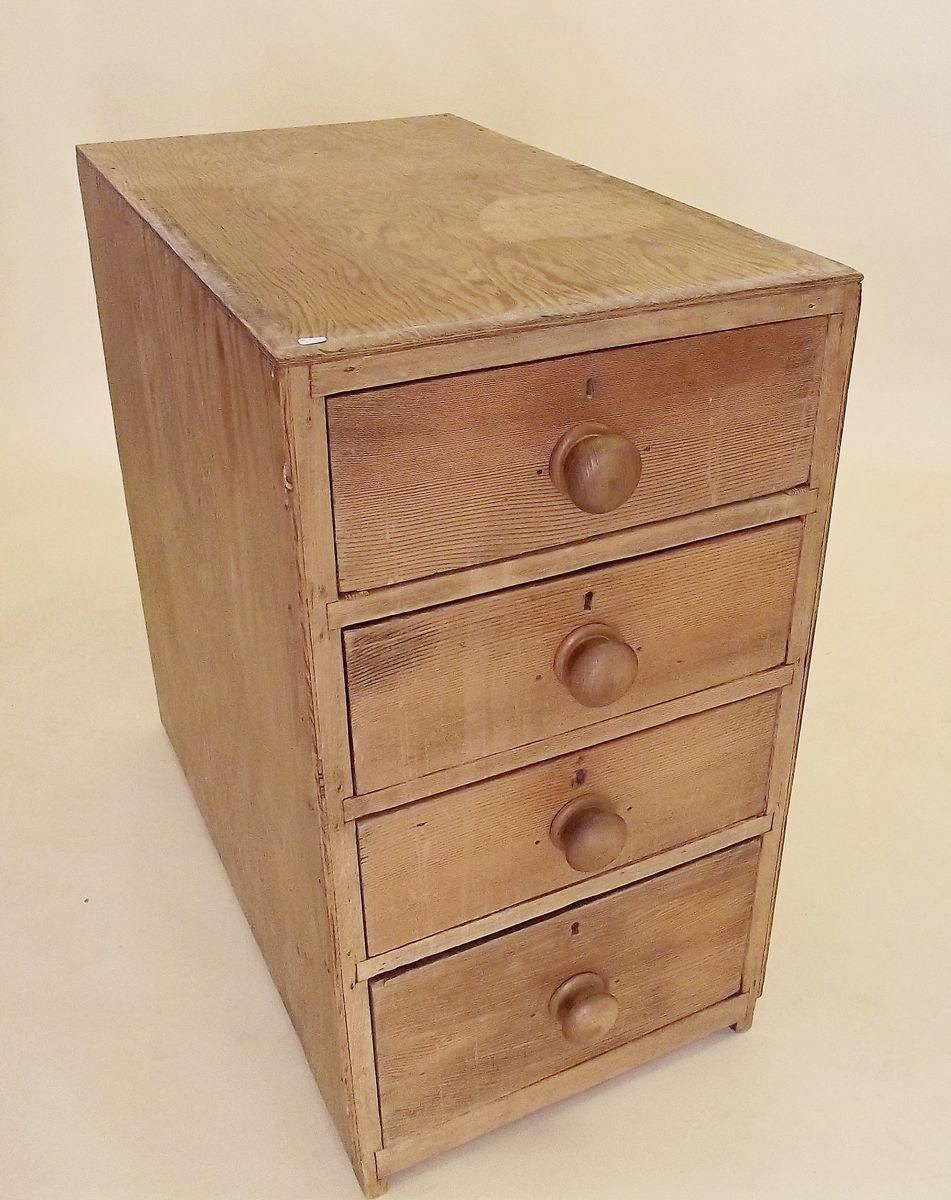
{"points": [[596, 665], [584, 1008], [589, 833], [596, 467]]}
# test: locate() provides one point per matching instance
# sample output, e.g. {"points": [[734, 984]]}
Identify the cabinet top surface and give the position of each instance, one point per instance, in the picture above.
{"points": [[396, 233]]}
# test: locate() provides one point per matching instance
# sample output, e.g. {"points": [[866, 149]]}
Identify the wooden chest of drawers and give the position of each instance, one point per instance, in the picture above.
{"points": [[479, 503]]}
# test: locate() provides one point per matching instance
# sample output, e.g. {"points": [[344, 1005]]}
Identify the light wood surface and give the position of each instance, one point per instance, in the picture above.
{"points": [[424, 229], [305, 476], [448, 473], [362, 607], [446, 861], [566, 743], [696, 616], [198, 414], [836, 368], [469, 1028], [684, 319], [549, 902], [486, 1117], [480, 504]]}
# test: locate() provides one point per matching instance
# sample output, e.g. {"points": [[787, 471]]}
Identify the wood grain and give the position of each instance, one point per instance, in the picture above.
{"points": [[444, 474], [360, 607], [550, 902], [305, 480], [454, 684], [424, 229], [486, 1117], [687, 318], [205, 465], [326, 655], [837, 365], [446, 861], [566, 743], [474, 1026], [595, 665], [596, 467]]}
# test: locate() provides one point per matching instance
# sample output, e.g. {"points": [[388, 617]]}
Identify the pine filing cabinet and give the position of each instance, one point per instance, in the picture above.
{"points": [[479, 503]]}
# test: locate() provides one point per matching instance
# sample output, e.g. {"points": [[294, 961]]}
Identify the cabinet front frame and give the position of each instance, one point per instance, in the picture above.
{"points": [[305, 389]]}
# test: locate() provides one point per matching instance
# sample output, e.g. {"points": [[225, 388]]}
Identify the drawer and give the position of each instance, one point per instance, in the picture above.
{"points": [[476, 1025], [452, 684], [447, 473], [442, 862]]}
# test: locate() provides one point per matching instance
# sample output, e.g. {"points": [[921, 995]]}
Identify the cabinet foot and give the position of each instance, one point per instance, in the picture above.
{"points": [[744, 1023], [373, 1186]]}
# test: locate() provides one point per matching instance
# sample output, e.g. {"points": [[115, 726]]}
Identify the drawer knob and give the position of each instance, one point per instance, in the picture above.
{"points": [[596, 467], [584, 1008], [589, 833], [596, 665]]}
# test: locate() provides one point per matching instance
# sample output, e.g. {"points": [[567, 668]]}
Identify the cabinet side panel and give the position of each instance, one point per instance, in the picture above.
{"points": [[202, 447]]}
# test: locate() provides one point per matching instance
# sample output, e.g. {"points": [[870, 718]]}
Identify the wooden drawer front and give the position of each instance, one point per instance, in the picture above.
{"points": [[451, 684], [447, 473], [475, 1025], [430, 866]]}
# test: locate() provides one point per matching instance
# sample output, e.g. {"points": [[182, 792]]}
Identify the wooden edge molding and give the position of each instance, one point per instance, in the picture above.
{"points": [[349, 372], [530, 910], [339, 855], [833, 393], [544, 564], [558, 1087], [565, 743]]}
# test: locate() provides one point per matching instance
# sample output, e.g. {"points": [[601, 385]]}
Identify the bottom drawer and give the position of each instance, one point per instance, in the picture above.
{"points": [[478, 1024]]}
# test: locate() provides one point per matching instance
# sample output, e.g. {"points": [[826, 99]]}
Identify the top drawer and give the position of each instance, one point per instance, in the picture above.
{"points": [[448, 473]]}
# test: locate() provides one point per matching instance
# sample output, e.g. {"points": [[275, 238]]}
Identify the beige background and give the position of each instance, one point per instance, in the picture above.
{"points": [[143, 1052]]}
